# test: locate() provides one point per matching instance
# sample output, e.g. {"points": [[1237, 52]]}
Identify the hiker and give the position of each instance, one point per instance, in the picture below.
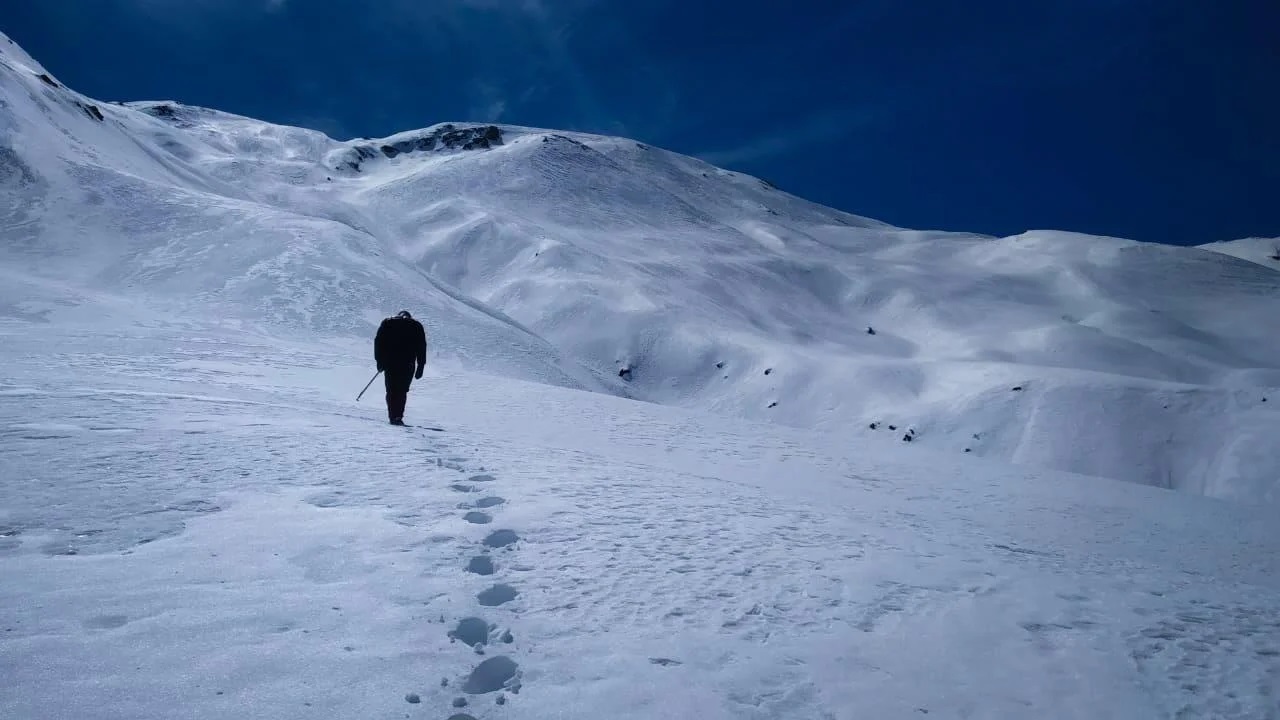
{"points": [[400, 350]]}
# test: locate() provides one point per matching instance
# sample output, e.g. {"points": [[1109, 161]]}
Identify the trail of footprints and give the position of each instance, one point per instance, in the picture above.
{"points": [[498, 674]]}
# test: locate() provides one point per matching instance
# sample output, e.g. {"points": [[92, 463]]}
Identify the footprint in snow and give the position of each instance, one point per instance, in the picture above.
{"points": [[499, 594], [501, 538], [484, 477], [480, 565], [472, 631], [326, 500], [106, 622], [491, 675], [489, 501], [478, 518], [462, 487]]}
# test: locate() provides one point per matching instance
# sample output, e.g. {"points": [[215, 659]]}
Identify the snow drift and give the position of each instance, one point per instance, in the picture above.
{"points": [[605, 264]]}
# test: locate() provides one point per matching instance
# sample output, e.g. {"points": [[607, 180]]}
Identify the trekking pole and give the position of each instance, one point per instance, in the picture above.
{"points": [[366, 387]]}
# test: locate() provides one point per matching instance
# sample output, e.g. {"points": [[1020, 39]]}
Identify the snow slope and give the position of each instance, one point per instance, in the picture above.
{"points": [[1264, 251], [601, 263], [197, 520], [214, 531]]}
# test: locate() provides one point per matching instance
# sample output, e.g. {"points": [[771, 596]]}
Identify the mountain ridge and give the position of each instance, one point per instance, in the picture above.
{"points": [[602, 263]]}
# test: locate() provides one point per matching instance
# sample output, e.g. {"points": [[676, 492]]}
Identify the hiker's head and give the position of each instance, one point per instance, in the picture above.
{"points": [[404, 314]]}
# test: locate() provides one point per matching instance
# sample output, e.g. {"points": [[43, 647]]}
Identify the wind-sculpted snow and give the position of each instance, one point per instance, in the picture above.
{"points": [[610, 265]]}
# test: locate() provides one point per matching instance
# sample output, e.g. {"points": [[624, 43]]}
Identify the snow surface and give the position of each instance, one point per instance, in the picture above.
{"points": [[198, 520], [604, 264], [1264, 251], [213, 529]]}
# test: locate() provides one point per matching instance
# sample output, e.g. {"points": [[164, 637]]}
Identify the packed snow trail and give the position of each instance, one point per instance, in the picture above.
{"points": [[236, 536]]}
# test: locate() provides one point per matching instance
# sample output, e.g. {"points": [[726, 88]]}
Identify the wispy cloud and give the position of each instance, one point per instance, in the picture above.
{"points": [[782, 140], [543, 27], [552, 29], [489, 106]]}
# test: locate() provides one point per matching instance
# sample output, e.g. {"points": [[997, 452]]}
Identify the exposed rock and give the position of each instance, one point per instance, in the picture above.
{"points": [[160, 111], [444, 137], [48, 80], [175, 115], [91, 110]]}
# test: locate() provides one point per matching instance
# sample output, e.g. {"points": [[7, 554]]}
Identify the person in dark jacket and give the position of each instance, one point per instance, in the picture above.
{"points": [[400, 350]]}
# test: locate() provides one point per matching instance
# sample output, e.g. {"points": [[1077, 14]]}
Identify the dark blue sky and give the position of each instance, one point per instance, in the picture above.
{"points": [[1150, 119]]}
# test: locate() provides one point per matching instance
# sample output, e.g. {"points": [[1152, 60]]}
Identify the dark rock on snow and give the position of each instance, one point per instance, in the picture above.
{"points": [[445, 137], [91, 110]]}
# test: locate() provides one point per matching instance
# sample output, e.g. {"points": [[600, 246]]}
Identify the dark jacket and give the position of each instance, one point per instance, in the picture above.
{"points": [[400, 343]]}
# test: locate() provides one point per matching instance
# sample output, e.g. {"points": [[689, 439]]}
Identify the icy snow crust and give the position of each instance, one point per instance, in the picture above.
{"points": [[198, 520]]}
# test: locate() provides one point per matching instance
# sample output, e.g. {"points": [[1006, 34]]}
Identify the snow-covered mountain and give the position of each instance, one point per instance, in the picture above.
{"points": [[198, 519], [601, 263]]}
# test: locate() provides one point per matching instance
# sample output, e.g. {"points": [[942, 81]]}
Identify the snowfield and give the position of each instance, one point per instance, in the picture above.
{"points": [[687, 446]]}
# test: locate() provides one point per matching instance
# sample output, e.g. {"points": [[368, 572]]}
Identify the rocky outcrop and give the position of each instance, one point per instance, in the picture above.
{"points": [[439, 139], [170, 113], [91, 110]]}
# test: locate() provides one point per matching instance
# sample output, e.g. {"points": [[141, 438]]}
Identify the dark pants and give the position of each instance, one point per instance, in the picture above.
{"points": [[397, 380]]}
